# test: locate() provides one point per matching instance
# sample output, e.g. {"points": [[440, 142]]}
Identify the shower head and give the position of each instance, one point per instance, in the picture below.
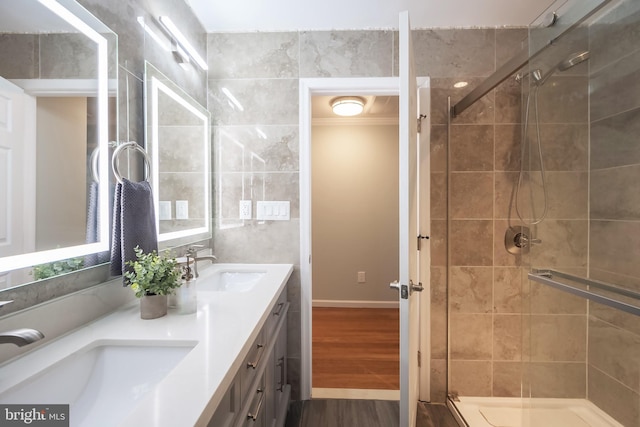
{"points": [[573, 60], [569, 62]]}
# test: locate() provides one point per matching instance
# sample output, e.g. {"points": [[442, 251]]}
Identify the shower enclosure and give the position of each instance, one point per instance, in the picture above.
{"points": [[549, 334]]}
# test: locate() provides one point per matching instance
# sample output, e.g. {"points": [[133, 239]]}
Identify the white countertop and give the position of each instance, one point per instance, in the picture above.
{"points": [[222, 330]]}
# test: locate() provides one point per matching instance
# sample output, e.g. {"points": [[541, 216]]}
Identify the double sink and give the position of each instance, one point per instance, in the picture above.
{"points": [[106, 379]]}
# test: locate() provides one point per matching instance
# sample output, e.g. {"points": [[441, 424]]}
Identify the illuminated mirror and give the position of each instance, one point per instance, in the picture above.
{"points": [[55, 85], [178, 141]]}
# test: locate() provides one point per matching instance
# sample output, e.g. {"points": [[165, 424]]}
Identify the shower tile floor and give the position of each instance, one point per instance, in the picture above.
{"points": [[507, 412]]}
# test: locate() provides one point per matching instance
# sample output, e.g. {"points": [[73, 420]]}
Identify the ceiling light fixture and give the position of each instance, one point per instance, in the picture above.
{"points": [[347, 105], [182, 41], [459, 85]]}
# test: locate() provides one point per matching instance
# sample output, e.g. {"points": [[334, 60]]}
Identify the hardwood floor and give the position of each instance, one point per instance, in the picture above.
{"points": [[356, 348]]}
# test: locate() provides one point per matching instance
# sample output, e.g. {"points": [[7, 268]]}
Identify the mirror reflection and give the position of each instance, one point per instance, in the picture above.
{"points": [[55, 94], [178, 141]]}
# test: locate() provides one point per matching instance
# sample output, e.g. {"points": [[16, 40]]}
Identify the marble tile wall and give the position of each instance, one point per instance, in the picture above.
{"points": [[554, 329], [614, 337], [484, 299], [262, 70]]}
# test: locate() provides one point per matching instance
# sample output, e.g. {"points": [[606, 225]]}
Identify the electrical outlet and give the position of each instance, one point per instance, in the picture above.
{"points": [[165, 210], [182, 209], [245, 209], [362, 277]]}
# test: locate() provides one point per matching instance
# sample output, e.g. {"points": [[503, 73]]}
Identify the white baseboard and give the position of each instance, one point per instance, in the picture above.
{"points": [[349, 393], [354, 304]]}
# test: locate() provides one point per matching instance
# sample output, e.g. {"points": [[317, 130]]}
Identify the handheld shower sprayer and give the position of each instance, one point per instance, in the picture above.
{"points": [[539, 79]]}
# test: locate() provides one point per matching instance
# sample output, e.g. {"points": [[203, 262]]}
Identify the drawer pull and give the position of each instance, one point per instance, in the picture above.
{"points": [[281, 366], [279, 311], [255, 364], [254, 416]]}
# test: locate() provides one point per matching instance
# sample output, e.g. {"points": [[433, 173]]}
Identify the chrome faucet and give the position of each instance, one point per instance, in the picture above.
{"points": [[211, 258], [192, 253], [21, 337]]}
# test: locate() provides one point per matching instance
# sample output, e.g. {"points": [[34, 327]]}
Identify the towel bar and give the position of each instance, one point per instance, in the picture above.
{"points": [[115, 163], [549, 277]]}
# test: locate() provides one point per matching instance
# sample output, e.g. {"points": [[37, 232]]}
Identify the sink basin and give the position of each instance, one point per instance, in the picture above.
{"points": [[102, 383], [233, 281]]}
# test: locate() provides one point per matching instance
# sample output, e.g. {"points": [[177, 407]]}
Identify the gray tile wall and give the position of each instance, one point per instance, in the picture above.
{"points": [[262, 70], [554, 331], [614, 337], [485, 337], [589, 117]]}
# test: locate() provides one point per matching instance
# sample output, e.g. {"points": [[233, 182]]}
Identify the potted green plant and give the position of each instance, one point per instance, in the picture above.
{"points": [[152, 277]]}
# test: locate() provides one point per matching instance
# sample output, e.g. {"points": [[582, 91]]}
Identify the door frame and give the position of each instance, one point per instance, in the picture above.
{"points": [[383, 86]]}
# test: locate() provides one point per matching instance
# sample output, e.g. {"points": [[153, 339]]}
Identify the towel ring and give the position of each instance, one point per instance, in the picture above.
{"points": [[93, 161], [115, 162]]}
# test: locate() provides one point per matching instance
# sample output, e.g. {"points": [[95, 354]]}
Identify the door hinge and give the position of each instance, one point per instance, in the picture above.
{"points": [[420, 117], [419, 359], [420, 238]]}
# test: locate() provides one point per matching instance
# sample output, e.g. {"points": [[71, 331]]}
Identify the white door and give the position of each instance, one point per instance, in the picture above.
{"points": [[16, 191], [408, 282], [424, 230]]}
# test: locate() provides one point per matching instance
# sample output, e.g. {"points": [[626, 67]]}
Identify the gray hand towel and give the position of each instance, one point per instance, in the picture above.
{"points": [[134, 223]]}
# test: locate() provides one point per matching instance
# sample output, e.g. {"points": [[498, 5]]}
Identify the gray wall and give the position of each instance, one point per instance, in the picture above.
{"points": [[355, 212], [262, 71]]}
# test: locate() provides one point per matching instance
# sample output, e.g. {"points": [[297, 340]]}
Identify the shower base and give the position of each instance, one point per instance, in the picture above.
{"points": [[516, 412]]}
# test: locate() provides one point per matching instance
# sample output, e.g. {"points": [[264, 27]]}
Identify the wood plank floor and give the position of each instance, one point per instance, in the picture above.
{"points": [[355, 348], [362, 413]]}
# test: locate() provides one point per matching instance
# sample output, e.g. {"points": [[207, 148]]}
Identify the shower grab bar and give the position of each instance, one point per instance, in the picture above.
{"points": [[574, 15], [545, 277]]}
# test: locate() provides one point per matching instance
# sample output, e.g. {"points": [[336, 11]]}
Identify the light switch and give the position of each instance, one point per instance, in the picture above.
{"points": [[165, 210], [362, 277], [273, 210], [182, 209]]}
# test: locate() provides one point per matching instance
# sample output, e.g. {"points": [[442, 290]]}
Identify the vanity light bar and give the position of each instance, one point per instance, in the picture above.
{"points": [[162, 43], [168, 24]]}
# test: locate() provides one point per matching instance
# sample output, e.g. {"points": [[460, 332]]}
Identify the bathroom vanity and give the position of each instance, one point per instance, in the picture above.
{"points": [[225, 365]]}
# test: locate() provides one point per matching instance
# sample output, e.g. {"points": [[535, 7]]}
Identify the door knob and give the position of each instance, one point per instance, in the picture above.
{"points": [[404, 289]]}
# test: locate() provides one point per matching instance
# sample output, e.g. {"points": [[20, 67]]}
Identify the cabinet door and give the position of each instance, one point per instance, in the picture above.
{"points": [[229, 407]]}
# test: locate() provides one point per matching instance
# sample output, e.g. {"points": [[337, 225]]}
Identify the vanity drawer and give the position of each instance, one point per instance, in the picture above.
{"points": [[252, 363], [255, 412], [279, 310]]}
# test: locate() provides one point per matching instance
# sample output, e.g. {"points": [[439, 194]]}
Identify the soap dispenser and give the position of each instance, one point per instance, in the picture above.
{"points": [[187, 296]]}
